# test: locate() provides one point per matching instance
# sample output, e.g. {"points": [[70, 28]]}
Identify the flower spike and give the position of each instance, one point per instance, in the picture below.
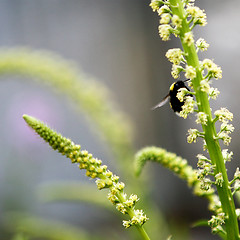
{"points": [[94, 169]]}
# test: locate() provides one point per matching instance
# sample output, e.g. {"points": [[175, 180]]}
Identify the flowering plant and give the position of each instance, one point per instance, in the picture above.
{"points": [[209, 180], [180, 17]]}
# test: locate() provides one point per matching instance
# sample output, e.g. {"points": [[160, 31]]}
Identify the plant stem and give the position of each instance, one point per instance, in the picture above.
{"points": [[143, 232], [213, 145]]}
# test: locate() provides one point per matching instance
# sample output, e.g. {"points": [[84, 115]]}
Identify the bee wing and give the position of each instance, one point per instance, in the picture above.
{"points": [[163, 102]]}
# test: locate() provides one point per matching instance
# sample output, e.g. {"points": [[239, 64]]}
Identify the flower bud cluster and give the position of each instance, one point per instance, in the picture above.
{"points": [[238, 213], [188, 38], [176, 21], [190, 72], [202, 45], [224, 116], [193, 134], [172, 23], [227, 156], [213, 93], [139, 218], [155, 5], [205, 172], [205, 166], [175, 56], [205, 169], [165, 18], [196, 15], [188, 106], [213, 70], [236, 181], [219, 179], [94, 169], [216, 222], [215, 204], [181, 93], [202, 118], [176, 70], [205, 86]]}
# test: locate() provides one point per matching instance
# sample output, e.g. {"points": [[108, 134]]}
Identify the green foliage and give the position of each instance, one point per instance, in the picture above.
{"points": [[73, 192], [30, 227]]}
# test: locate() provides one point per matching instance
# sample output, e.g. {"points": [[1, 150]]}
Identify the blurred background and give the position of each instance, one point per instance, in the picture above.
{"points": [[117, 43]]}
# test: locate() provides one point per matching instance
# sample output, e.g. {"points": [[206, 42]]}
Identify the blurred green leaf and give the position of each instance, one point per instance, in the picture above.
{"points": [[90, 96], [74, 192], [200, 223], [36, 227]]}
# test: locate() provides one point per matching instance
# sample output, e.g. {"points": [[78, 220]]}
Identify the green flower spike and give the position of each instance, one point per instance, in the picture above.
{"points": [[184, 17], [94, 169], [175, 164]]}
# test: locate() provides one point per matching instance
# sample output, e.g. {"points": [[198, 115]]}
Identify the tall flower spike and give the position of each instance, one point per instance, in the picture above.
{"points": [[200, 72], [94, 169]]}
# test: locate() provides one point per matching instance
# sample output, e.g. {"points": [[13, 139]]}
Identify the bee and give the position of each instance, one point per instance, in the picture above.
{"points": [[175, 103]]}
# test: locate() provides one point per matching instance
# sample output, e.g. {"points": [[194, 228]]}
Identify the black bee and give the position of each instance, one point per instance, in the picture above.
{"points": [[175, 103]]}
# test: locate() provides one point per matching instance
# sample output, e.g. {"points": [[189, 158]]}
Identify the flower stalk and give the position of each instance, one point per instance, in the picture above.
{"points": [[200, 72], [209, 129], [95, 170]]}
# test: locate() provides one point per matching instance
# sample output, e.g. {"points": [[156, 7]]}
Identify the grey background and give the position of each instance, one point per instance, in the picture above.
{"points": [[117, 42]]}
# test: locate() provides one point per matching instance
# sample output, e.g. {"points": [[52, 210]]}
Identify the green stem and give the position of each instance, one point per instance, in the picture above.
{"points": [[143, 232], [213, 145]]}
